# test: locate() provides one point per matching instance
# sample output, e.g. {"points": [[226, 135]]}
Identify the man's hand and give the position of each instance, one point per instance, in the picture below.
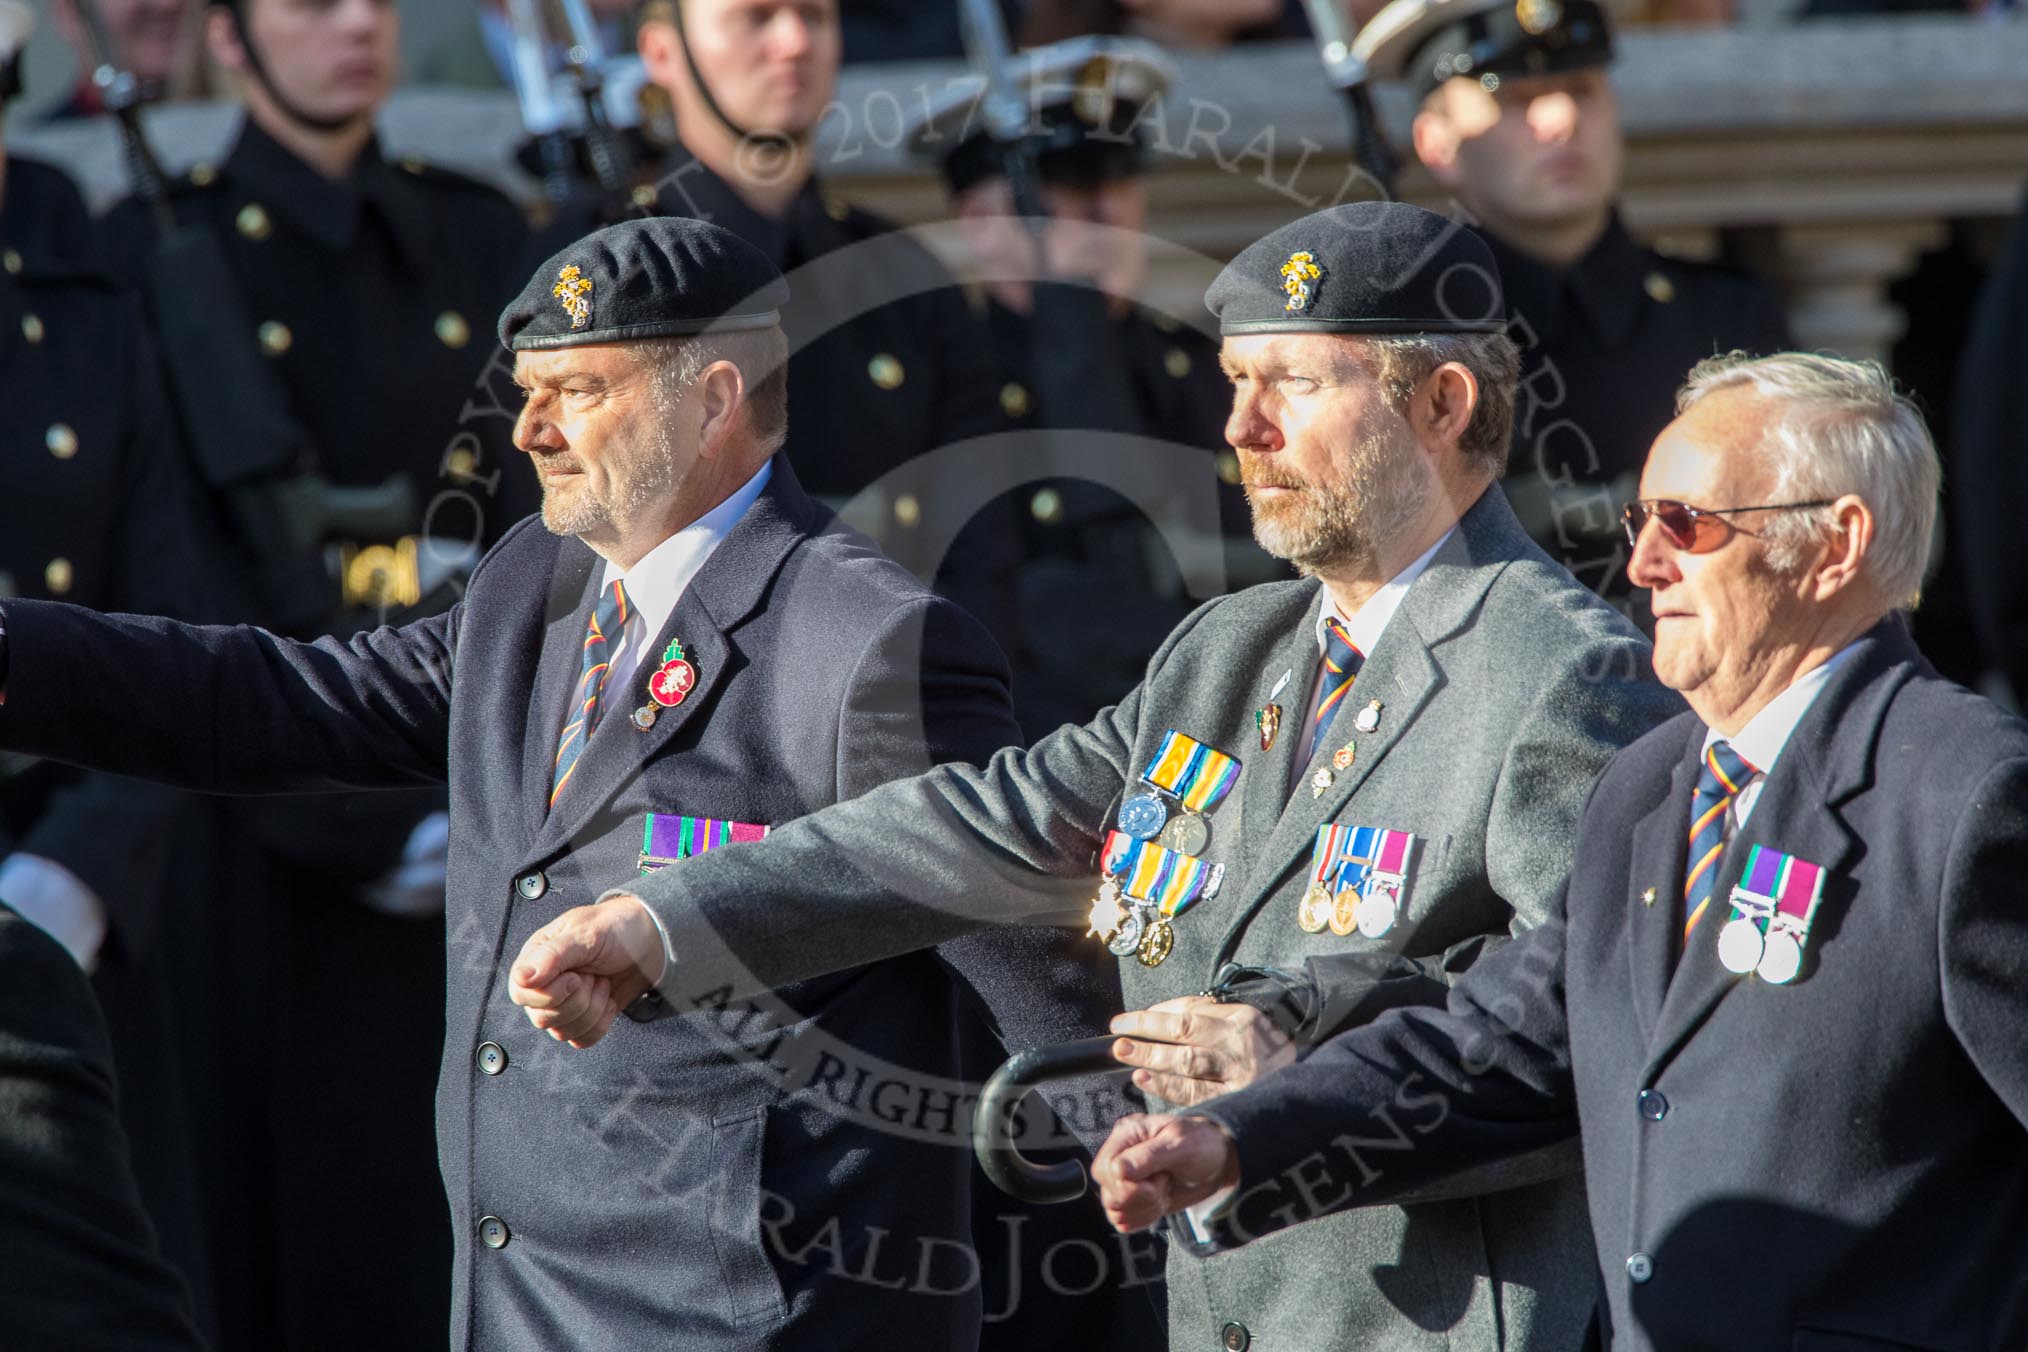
{"points": [[1151, 1166], [1197, 1048], [575, 974]]}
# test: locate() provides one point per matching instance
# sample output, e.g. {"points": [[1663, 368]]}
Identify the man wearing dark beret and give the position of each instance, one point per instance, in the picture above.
{"points": [[1326, 796], [678, 655], [1519, 121]]}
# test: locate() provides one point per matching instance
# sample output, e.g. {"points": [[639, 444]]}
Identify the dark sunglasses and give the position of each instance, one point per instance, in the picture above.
{"points": [[1697, 530]]}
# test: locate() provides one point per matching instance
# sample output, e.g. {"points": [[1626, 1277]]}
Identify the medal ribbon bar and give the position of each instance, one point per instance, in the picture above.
{"points": [[1187, 769]]}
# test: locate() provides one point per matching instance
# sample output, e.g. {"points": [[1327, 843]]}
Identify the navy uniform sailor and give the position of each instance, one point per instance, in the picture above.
{"points": [[1351, 787], [681, 652], [1519, 121], [1073, 352]]}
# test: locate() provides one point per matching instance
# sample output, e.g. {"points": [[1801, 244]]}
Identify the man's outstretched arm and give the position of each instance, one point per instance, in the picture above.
{"points": [[1377, 1113], [226, 710]]}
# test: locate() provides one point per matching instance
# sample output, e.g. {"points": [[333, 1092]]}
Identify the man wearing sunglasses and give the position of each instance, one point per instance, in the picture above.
{"points": [[1784, 989]]}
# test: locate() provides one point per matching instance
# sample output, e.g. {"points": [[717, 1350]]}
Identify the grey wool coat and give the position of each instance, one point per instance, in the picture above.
{"points": [[1503, 687]]}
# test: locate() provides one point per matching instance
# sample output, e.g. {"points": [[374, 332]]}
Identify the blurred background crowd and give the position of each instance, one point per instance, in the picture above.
{"points": [[253, 255]]}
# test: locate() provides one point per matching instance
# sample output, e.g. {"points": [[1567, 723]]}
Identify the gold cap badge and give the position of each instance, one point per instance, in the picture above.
{"points": [[1300, 276], [572, 287]]}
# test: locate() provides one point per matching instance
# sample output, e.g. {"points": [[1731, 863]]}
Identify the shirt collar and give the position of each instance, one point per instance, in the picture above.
{"points": [[657, 582], [1602, 291], [1366, 626], [1761, 741]]}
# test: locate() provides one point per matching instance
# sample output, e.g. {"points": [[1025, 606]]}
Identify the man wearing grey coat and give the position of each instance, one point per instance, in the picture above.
{"points": [[1325, 796]]}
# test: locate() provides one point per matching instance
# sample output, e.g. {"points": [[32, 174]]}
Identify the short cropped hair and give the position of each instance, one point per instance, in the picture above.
{"points": [[1401, 362]]}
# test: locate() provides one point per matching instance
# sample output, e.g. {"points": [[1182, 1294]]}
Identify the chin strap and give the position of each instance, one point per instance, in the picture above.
{"points": [[308, 121], [773, 139]]}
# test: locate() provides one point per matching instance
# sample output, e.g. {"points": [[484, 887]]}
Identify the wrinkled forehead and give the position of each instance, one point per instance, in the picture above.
{"points": [[603, 362]]}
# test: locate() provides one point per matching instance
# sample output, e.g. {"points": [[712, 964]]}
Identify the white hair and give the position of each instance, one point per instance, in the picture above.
{"points": [[1844, 428]]}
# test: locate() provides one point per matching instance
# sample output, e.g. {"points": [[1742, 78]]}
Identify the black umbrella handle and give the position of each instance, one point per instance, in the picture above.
{"points": [[993, 1125]]}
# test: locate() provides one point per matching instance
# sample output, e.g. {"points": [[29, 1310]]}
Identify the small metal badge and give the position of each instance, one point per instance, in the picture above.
{"points": [[1107, 915], [1315, 911], [644, 717], [1157, 944], [1319, 782], [1186, 834], [1142, 816], [1368, 719], [1537, 17], [1269, 721], [1301, 276], [572, 287], [1341, 759], [1648, 897]]}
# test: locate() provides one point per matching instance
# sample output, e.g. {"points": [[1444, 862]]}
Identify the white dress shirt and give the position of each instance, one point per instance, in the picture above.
{"points": [[657, 582], [1760, 742]]}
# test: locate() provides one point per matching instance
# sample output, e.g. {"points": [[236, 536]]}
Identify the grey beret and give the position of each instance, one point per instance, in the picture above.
{"points": [[658, 277], [1364, 267]]}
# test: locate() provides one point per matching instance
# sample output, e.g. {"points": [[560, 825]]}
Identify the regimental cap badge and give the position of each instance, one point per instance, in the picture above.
{"points": [[1095, 92], [1301, 276], [1537, 17], [573, 288]]}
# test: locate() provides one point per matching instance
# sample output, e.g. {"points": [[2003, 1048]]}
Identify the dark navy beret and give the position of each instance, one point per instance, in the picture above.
{"points": [[657, 277], [1364, 267]]}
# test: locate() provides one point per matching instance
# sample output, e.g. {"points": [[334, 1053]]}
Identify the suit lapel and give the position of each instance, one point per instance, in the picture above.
{"points": [[1828, 760], [725, 591], [1264, 791], [1660, 847], [566, 614]]}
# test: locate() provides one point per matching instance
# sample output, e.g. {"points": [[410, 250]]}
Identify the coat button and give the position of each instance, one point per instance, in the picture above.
{"points": [[885, 371], [1014, 399], [1651, 1104], [203, 175], [276, 338], [32, 328], [644, 197], [1659, 288], [11, 260], [531, 886], [493, 1232], [1639, 1268], [1235, 1338], [61, 439], [59, 576], [1046, 506], [907, 511], [452, 330], [492, 1058], [253, 222], [1176, 362]]}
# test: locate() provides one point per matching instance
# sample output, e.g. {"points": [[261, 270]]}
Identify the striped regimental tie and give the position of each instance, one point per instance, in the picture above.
{"points": [[609, 619], [1719, 780], [1341, 667]]}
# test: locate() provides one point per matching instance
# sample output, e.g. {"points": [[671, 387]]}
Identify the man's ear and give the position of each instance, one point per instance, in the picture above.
{"points": [[1846, 543], [721, 395], [661, 54], [1442, 406], [1436, 142], [221, 36]]}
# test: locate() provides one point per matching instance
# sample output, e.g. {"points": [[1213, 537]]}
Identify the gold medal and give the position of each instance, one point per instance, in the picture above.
{"points": [[1315, 911], [1345, 912], [1156, 944]]}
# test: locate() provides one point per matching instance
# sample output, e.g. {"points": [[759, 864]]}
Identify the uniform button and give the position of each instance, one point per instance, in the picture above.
{"points": [[11, 260], [461, 464], [253, 222], [1639, 1268], [1013, 399], [1651, 1104], [1659, 288], [452, 330], [885, 371], [413, 163], [32, 328], [1046, 505], [1235, 1338], [203, 175], [1176, 362], [1228, 468], [531, 886], [837, 208], [644, 197], [493, 1232], [492, 1057], [907, 511], [59, 576], [61, 439], [276, 338]]}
